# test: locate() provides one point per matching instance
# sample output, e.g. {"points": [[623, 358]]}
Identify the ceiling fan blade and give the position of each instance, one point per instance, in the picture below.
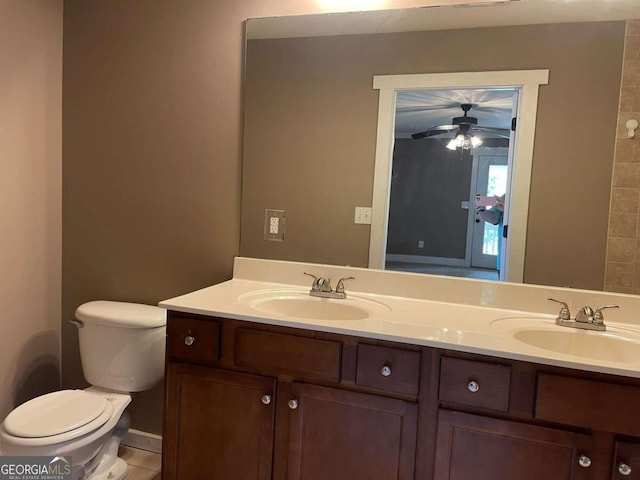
{"points": [[440, 129], [502, 132]]}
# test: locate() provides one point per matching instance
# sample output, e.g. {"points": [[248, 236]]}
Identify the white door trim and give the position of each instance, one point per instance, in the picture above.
{"points": [[529, 82]]}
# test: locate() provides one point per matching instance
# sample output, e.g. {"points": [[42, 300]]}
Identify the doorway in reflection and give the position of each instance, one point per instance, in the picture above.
{"points": [[434, 224]]}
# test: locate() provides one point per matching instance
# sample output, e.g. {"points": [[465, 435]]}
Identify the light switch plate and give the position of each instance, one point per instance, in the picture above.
{"points": [[363, 215], [274, 224]]}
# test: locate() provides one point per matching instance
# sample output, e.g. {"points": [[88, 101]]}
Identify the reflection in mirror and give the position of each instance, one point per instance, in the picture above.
{"points": [[523, 88], [311, 120], [435, 182]]}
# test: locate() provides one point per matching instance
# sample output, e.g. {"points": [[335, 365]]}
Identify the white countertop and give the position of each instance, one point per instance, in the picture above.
{"points": [[483, 319]]}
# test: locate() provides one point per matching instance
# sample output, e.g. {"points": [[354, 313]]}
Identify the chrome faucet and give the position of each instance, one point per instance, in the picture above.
{"points": [[586, 318], [321, 287], [320, 284]]}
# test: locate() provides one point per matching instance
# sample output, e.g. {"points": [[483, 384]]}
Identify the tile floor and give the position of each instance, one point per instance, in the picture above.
{"points": [[143, 465]]}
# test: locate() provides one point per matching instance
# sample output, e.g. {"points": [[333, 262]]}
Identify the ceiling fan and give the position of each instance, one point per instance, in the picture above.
{"points": [[464, 125]]}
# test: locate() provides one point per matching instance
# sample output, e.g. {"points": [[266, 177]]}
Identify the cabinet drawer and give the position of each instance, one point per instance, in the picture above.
{"points": [[391, 369], [476, 384], [193, 341], [603, 406], [288, 355]]}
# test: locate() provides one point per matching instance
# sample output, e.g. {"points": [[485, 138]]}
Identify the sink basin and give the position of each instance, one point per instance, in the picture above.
{"points": [[303, 308], [606, 346], [294, 304]]}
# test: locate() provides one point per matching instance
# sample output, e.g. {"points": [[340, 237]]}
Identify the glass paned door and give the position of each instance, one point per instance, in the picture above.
{"points": [[492, 181]]}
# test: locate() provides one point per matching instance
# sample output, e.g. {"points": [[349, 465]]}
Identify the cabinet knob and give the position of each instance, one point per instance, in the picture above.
{"points": [[584, 461], [293, 404], [473, 386], [189, 340], [266, 399], [624, 469], [385, 371]]}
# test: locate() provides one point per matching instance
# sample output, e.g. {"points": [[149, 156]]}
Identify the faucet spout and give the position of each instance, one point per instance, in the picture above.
{"points": [[585, 315], [322, 285]]}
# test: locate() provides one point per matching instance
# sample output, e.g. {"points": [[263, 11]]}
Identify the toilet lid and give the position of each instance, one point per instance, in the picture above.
{"points": [[56, 413]]}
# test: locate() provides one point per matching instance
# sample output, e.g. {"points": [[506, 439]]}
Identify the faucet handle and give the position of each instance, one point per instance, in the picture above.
{"points": [[315, 279], [598, 316], [565, 313], [340, 285]]}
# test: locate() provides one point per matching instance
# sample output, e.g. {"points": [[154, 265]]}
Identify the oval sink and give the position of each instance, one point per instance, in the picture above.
{"points": [[320, 309], [302, 305], [582, 343]]}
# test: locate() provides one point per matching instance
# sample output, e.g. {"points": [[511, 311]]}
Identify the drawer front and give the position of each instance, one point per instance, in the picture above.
{"points": [[302, 358], [193, 341], [391, 369], [603, 406], [476, 384]]}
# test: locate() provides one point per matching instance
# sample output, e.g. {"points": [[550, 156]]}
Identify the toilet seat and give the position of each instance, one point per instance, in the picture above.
{"points": [[58, 417]]}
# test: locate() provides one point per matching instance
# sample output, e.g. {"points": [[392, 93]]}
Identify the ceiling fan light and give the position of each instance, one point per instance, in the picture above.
{"points": [[464, 141]]}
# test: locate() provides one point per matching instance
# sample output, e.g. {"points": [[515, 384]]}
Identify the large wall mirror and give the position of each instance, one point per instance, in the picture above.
{"points": [[311, 116]]}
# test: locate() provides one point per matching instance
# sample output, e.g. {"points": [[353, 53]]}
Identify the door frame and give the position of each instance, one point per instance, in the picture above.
{"points": [[528, 81]]}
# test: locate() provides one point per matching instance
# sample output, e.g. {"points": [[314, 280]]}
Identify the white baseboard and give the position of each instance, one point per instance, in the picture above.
{"points": [[451, 262], [143, 440]]}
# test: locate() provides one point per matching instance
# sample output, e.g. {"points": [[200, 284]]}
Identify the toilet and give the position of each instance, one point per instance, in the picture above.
{"points": [[122, 351]]}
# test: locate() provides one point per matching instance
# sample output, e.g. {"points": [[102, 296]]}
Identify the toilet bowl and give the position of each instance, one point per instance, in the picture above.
{"points": [[122, 351]]}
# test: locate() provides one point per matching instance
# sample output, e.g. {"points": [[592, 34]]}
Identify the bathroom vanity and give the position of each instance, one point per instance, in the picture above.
{"points": [[264, 382]]}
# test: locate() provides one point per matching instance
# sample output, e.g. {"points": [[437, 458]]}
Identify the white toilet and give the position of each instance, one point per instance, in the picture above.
{"points": [[122, 351]]}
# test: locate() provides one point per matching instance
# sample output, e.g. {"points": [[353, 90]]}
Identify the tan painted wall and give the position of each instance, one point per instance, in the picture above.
{"points": [[152, 152], [30, 192], [326, 106]]}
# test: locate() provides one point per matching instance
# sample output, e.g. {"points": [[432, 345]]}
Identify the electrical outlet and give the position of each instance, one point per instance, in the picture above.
{"points": [[420, 243], [363, 215], [274, 223]]}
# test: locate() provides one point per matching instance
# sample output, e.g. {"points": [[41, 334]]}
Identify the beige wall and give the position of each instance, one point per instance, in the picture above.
{"points": [[152, 152], [30, 191], [623, 252], [314, 157]]}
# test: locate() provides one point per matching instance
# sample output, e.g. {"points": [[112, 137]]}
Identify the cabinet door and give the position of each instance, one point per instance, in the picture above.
{"points": [[218, 424], [482, 448], [627, 461], [342, 435]]}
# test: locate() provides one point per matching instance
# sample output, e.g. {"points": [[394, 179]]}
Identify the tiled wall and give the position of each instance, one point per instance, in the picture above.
{"points": [[623, 247]]}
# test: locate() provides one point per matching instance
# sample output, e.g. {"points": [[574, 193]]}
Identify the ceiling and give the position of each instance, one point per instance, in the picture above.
{"points": [[419, 110]]}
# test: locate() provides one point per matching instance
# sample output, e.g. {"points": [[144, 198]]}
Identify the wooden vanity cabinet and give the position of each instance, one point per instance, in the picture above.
{"points": [[502, 419], [277, 403], [483, 431], [251, 401]]}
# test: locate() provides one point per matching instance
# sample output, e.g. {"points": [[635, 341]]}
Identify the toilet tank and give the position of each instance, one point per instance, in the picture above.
{"points": [[121, 344]]}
